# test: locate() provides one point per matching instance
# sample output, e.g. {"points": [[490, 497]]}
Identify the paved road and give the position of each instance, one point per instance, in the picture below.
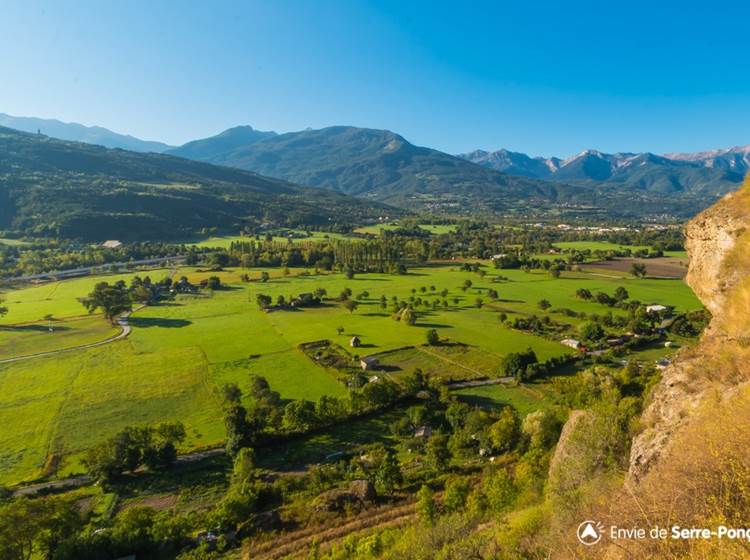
{"points": [[72, 272], [124, 333], [480, 383], [78, 481]]}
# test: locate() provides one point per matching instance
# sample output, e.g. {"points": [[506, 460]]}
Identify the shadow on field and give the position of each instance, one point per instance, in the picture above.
{"points": [[434, 325], [33, 328], [482, 402], [146, 322]]}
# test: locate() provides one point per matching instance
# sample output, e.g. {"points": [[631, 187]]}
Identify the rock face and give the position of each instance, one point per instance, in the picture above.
{"points": [[718, 241]]}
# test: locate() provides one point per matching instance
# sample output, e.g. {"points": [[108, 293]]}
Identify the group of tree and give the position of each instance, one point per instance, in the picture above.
{"points": [[152, 447]]}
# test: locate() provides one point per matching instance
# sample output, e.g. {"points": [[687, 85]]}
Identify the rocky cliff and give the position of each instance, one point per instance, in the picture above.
{"points": [[718, 242]]}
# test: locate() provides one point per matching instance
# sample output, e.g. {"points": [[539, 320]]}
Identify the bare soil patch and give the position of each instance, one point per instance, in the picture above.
{"points": [[663, 267]]}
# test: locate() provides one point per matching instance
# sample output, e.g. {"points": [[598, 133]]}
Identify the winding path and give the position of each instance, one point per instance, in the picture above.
{"points": [[122, 321]]}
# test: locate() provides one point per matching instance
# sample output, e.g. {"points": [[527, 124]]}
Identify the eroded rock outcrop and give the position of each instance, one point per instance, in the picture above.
{"points": [[718, 242]]}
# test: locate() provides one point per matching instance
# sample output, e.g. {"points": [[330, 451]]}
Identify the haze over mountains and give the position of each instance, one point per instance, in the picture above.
{"points": [[710, 172], [80, 133]]}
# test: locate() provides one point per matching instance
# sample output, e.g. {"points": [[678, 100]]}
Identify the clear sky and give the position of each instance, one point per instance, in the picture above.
{"points": [[544, 77]]}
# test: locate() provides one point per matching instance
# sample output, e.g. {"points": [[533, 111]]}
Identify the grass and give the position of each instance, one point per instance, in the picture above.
{"points": [[607, 246], [434, 229], [224, 242], [34, 338], [524, 398], [181, 353]]}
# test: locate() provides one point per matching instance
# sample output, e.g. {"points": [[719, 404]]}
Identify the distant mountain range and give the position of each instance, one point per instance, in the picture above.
{"points": [[707, 173], [80, 133], [381, 165], [375, 164], [52, 187]]}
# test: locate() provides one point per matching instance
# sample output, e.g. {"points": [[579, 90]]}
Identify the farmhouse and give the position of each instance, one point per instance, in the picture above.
{"points": [[423, 432], [656, 308], [111, 244], [368, 362], [355, 342], [571, 343]]}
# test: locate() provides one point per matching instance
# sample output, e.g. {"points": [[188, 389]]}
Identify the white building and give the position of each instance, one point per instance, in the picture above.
{"points": [[571, 343]]}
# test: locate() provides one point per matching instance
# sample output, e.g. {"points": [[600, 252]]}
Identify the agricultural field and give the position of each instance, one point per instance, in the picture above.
{"points": [[181, 352], [224, 242], [607, 246], [434, 229]]}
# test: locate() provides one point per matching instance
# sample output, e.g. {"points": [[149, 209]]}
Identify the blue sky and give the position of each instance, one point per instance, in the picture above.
{"points": [[546, 78]]}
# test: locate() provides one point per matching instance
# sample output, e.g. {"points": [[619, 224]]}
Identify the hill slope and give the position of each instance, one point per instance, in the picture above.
{"points": [[381, 165], [53, 187], [80, 133]]}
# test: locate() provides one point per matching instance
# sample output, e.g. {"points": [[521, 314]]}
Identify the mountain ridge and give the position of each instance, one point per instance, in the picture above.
{"points": [[51, 187], [76, 132], [716, 171]]}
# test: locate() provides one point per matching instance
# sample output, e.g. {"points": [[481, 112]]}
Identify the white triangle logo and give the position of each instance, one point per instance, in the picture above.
{"points": [[589, 532]]}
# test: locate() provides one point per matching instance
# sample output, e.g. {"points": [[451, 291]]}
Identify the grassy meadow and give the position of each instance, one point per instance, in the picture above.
{"points": [[182, 352]]}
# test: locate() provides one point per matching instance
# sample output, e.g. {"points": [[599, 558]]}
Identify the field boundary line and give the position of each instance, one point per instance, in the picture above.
{"points": [[124, 333], [448, 360]]}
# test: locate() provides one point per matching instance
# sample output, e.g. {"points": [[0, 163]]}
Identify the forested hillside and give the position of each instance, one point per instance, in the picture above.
{"points": [[56, 188]]}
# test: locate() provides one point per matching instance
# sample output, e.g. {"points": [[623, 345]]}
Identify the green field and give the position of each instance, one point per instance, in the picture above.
{"points": [[181, 352], [434, 229], [607, 246], [525, 399], [224, 242]]}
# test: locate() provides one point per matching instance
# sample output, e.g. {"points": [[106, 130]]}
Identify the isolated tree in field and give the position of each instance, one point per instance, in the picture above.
{"points": [[213, 283], [340, 330], [264, 301], [383, 302], [3, 309], [349, 272], [433, 339], [544, 304], [111, 299], [467, 284], [264, 276], [350, 305], [583, 293], [638, 270], [409, 316], [479, 303], [621, 294]]}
